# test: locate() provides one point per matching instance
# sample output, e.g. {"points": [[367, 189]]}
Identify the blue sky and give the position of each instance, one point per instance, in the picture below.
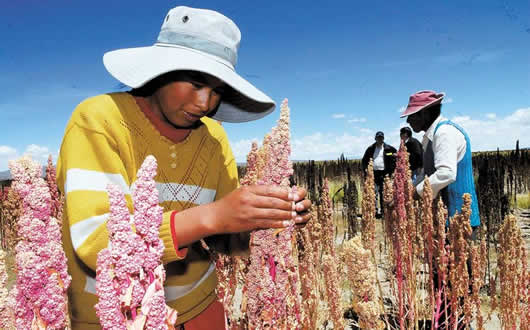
{"points": [[347, 67]]}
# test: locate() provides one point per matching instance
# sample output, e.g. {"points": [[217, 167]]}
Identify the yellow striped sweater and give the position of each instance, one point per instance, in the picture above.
{"points": [[106, 141]]}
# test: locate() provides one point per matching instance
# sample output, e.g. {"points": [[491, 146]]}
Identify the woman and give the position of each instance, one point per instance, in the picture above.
{"points": [[181, 86]]}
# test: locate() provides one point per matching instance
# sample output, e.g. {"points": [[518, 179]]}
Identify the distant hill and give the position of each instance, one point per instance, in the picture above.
{"points": [[6, 175]]}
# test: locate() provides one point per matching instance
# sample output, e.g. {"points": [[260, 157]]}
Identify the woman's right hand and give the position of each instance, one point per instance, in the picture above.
{"points": [[252, 207]]}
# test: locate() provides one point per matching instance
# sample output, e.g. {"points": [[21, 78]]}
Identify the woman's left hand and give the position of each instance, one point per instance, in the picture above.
{"points": [[301, 206]]}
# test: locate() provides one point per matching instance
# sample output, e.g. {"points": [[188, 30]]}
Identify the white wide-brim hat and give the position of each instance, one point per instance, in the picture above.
{"points": [[198, 40]]}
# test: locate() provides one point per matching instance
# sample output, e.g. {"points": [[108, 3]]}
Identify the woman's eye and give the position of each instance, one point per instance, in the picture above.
{"points": [[219, 91], [196, 85]]}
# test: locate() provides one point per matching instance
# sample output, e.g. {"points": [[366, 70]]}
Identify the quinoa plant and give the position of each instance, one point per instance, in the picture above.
{"points": [[272, 283], [513, 277], [7, 316], [129, 274], [10, 213], [368, 209], [362, 272], [42, 279]]}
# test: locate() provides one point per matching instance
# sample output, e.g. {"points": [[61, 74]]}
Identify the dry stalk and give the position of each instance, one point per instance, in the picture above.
{"points": [[478, 272], [430, 244], [325, 217], [368, 209], [513, 275], [329, 265], [362, 274], [308, 261], [11, 211]]}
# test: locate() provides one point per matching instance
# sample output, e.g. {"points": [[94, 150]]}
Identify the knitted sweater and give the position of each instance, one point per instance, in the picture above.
{"points": [[106, 141]]}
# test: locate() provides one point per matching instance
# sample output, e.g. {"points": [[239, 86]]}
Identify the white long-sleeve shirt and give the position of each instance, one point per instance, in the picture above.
{"points": [[379, 159], [449, 147]]}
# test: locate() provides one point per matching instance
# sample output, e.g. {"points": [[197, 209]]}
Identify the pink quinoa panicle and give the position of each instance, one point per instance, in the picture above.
{"points": [[148, 214], [278, 167], [42, 278], [272, 284], [251, 173], [400, 237], [130, 276], [325, 216]]}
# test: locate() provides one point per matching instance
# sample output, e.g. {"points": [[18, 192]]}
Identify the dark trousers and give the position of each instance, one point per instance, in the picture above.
{"points": [[379, 179]]}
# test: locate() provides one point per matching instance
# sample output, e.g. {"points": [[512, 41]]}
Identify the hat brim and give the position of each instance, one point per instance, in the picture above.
{"points": [[410, 110], [136, 66]]}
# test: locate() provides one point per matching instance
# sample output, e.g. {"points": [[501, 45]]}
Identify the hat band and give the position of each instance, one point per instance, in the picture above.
{"points": [[207, 46]]}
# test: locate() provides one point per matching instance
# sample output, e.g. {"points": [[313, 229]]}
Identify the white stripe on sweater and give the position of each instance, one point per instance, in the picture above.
{"points": [[184, 193], [79, 179], [170, 292], [88, 180], [82, 229]]}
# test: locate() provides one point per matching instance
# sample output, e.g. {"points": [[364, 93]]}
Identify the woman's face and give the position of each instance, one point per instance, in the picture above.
{"points": [[190, 96]]}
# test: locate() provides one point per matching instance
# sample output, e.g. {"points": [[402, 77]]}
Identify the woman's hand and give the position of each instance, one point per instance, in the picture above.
{"points": [[302, 207], [258, 207]]}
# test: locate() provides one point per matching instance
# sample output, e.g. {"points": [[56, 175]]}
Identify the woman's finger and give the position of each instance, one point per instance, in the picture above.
{"points": [[265, 202], [271, 191], [264, 224], [302, 217], [299, 194], [303, 205], [271, 214]]}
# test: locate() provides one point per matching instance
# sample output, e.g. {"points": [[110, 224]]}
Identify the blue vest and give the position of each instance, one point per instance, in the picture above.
{"points": [[452, 194]]}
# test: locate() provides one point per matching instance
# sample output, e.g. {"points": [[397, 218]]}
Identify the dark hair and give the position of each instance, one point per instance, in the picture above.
{"points": [[158, 82], [150, 87], [405, 130]]}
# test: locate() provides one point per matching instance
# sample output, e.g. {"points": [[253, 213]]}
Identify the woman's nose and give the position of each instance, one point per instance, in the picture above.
{"points": [[203, 98]]}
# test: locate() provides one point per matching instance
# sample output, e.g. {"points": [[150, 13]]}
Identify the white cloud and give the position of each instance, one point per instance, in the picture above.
{"points": [[320, 146], [491, 115], [317, 146], [357, 120], [401, 109], [497, 132], [485, 134], [338, 115], [38, 153], [447, 100], [241, 148], [7, 153], [366, 130]]}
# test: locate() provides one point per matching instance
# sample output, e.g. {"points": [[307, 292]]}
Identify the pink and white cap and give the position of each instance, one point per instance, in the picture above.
{"points": [[421, 100]]}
